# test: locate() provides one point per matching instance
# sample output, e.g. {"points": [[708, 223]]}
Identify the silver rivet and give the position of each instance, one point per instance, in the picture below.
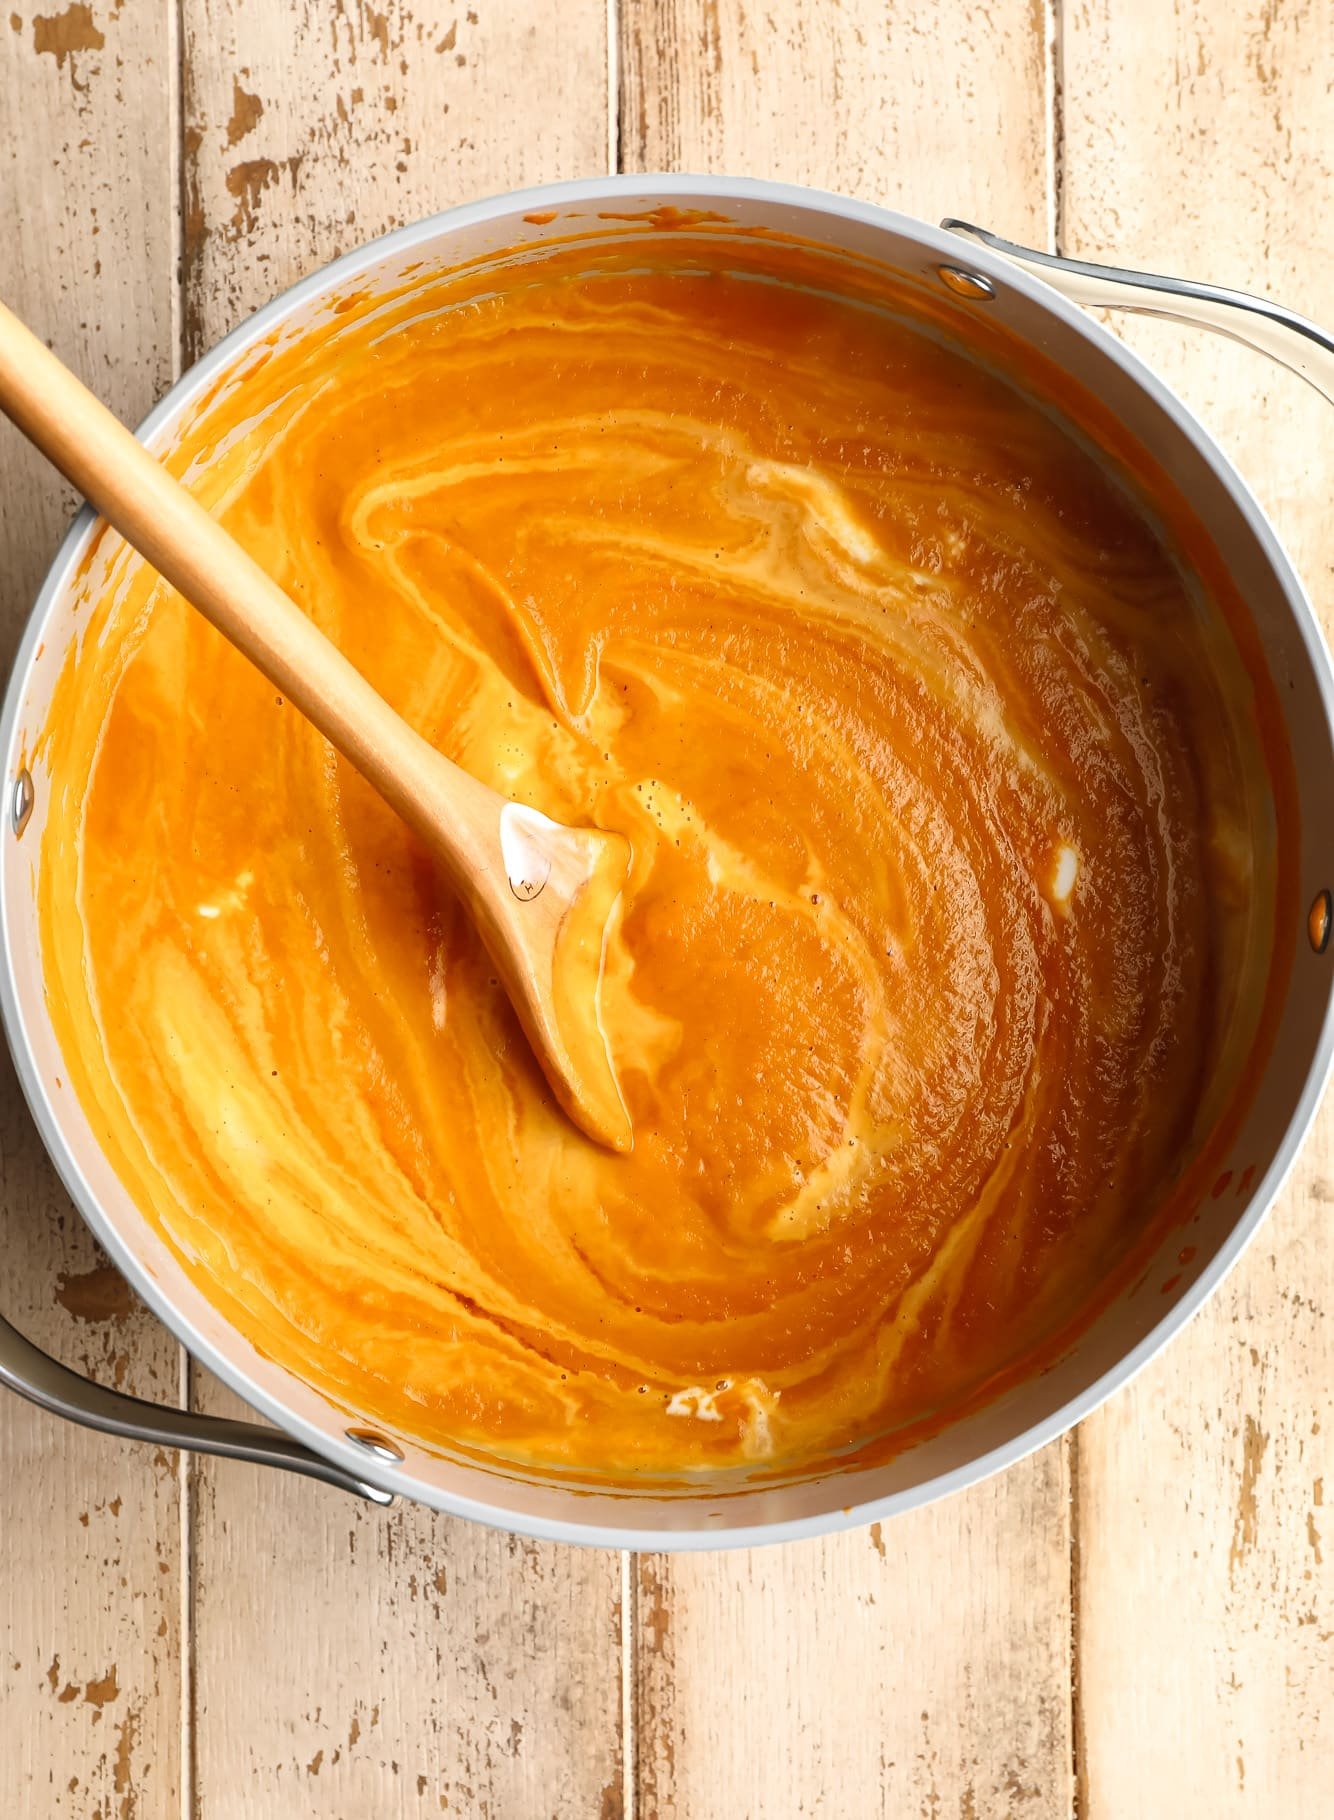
{"points": [[1318, 921], [375, 1443], [971, 285], [21, 801]]}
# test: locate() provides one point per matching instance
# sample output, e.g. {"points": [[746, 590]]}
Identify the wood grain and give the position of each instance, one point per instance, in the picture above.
{"points": [[90, 1584], [347, 1661], [915, 1667], [936, 109], [312, 127], [359, 1663], [922, 1668], [1198, 140]]}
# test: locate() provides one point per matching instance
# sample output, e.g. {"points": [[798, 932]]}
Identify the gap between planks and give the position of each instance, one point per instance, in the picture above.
{"points": [[1079, 1790], [629, 1602], [185, 1482], [629, 1686], [185, 1581], [1053, 69], [614, 85]]}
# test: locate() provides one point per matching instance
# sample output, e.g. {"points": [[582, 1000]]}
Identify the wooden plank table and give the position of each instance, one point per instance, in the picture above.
{"points": [[1137, 1621]]}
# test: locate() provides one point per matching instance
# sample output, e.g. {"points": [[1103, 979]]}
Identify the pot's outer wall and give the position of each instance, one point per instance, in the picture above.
{"points": [[1133, 1327]]}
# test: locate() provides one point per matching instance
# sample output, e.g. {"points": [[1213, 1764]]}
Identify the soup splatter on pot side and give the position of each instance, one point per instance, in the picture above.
{"points": [[951, 831]]}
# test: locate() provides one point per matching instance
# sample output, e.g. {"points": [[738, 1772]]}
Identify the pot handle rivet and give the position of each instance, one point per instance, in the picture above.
{"points": [[970, 285], [376, 1444], [1318, 921], [22, 800]]}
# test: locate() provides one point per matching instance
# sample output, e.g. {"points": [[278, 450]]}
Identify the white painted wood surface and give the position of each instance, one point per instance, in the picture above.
{"points": [[90, 1566], [218, 1642], [1200, 138]]}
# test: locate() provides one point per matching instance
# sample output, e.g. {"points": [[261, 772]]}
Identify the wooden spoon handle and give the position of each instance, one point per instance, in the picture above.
{"points": [[155, 514]]}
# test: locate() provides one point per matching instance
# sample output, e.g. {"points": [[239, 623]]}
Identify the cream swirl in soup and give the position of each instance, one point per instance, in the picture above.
{"points": [[951, 824]]}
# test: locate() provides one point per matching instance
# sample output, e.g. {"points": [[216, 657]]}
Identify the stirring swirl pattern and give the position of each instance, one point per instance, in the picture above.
{"points": [[944, 860]]}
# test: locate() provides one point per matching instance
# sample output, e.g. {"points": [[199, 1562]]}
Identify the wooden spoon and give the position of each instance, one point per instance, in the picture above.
{"points": [[540, 893]]}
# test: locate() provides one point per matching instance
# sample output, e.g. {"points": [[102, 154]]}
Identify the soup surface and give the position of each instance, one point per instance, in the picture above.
{"points": [[950, 830]]}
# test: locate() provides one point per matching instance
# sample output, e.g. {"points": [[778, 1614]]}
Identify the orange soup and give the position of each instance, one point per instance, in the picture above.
{"points": [[951, 834]]}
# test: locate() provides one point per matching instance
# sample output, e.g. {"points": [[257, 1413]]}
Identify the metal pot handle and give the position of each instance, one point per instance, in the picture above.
{"points": [[52, 1386], [1293, 340]]}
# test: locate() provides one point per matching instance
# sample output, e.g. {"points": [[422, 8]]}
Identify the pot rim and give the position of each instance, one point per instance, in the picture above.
{"points": [[400, 1481]]}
